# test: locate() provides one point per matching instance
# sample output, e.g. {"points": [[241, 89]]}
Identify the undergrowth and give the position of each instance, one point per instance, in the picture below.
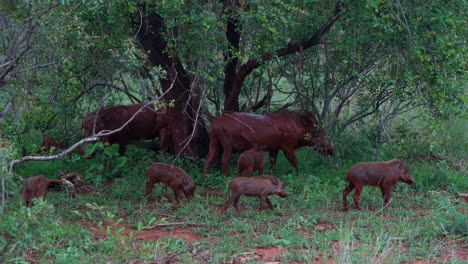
{"points": [[308, 227]]}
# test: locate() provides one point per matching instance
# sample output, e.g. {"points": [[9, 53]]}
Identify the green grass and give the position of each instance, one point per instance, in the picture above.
{"points": [[424, 221]]}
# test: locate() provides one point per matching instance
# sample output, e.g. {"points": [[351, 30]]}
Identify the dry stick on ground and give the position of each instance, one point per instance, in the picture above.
{"points": [[76, 183], [175, 224], [385, 206]]}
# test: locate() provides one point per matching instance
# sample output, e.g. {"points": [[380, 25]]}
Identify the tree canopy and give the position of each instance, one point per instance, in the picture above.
{"points": [[344, 60]]}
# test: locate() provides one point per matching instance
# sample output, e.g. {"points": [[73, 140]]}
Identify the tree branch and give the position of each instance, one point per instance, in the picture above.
{"points": [[53, 157], [367, 110], [233, 85], [5, 111], [85, 91], [316, 39], [36, 67], [20, 44]]}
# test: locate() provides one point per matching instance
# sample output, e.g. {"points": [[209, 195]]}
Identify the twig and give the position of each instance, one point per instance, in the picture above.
{"points": [[175, 224], [239, 121], [381, 209], [37, 67], [3, 195], [5, 111]]}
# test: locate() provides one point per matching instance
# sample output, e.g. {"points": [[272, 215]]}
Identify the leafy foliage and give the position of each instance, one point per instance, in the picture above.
{"points": [[387, 80], [39, 233]]}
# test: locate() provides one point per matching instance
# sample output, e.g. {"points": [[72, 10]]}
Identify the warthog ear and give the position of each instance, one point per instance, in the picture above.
{"points": [[185, 181], [274, 181], [402, 167], [308, 120]]}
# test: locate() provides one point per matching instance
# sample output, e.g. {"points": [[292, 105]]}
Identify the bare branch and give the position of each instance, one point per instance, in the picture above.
{"points": [[367, 110], [53, 157], [21, 43], [315, 39], [189, 138], [85, 91], [5, 64], [5, 111], [37, 67], [267, 97]]}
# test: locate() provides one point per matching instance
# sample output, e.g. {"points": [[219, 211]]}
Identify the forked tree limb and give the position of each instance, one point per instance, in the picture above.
{"points": [[235, 75]]}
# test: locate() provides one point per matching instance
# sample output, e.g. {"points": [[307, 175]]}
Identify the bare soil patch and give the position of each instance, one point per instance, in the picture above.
{"points": [[154, 234], [455, 249]]}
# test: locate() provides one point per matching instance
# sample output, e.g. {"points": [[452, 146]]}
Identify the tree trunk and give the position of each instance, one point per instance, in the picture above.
{"points": [[232, 85], [186, 137]]}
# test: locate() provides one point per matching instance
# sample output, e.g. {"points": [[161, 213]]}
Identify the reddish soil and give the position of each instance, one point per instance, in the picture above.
{"points": [[458, 251], [268, 254], [145, 234], [455, 249]]}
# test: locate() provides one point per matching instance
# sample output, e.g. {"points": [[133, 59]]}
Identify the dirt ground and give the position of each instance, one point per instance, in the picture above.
{"points": [[268, 255]]}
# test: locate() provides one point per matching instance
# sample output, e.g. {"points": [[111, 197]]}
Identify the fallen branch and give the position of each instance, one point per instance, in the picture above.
{"points": [[175, 224], [53, 157], [76, 183], [385, 206]]}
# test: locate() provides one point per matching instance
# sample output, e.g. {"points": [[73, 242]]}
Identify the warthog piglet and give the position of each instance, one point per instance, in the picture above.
{"points": [[249, 161], [35, 187], [382, 174], [261, 186], [172, 176]]}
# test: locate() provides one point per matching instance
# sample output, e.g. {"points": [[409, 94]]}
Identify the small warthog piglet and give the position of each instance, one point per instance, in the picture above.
{"points": [[261, 186], [172, 176], [35, 187], [382, 174], [48, 144], [249, 161]]}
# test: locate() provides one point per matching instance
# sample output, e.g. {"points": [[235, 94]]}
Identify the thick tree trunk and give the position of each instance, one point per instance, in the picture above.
{"points": [[232, 85], [176, 85]]}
